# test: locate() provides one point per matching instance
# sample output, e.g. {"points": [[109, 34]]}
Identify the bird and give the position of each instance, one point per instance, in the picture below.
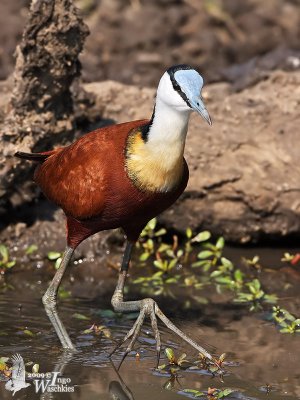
{"points": [[122, 176], [17, 380]]}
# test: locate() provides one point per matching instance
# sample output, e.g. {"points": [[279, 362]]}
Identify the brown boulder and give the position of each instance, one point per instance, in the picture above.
{"points": [[244, 171]]}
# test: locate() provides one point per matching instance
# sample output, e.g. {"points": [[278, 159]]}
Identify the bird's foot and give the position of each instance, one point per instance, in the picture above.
{"points": [[150, 308]]}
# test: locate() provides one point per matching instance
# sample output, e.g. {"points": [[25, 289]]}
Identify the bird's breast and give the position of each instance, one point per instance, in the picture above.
{"points": [[153, 167]]}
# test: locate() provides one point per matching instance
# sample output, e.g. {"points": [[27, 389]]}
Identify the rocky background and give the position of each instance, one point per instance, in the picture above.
{"points": [[245, 178]]}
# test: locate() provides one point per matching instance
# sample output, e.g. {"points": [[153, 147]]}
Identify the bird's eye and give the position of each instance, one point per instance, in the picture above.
{"points": [[197, 104]]}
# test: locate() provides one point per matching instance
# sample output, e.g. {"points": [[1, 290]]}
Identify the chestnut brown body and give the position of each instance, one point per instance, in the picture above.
{"points": [[90, 182]]}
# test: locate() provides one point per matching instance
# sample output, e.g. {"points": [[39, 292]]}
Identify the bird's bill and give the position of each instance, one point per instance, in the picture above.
{"points": [[199, 106]]}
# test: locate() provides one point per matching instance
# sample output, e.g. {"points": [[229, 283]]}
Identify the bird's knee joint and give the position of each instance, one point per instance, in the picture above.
{"points": [[49, 300], [149, 305], [116, 301]]}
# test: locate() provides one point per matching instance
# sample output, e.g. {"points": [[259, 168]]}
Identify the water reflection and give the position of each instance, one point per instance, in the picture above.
{"points": [[63, 360], [118, 390]]}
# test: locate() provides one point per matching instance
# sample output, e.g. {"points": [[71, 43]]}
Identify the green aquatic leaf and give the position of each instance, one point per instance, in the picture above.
{"points": [[159, 264], [57, 263], [31, 249], [53, 255], [205, 254], [163, 247], [63, 293], [80, 316], [194, 392], [10, 264], [238, 275], [201, 237], [254, 286], [106, 313], [27, 332], [144, 256], [224, 393], [216, 273], [227, 263], [170, 355], [3, 361], [4, 253], [160, 232], [206, 264], [189, 233], [220, 243], [87, 331], [270, 298], [35, 368]]}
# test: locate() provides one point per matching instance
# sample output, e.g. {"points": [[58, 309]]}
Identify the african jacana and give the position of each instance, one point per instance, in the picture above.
{"points": [[123, 176]]}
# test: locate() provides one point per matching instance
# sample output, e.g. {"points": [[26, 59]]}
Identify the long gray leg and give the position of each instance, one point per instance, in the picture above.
{"points": [[146, 307], [50, 300]]}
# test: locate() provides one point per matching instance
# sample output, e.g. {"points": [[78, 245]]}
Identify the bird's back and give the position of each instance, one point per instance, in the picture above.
{"points": [[79, 178]]}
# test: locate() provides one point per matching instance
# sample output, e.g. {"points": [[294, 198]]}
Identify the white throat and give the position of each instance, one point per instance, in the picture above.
{"points": [[167, 134], [169, 124]]}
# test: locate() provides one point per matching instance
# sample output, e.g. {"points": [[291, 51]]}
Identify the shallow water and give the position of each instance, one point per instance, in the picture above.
{"points": [[261, 355]]}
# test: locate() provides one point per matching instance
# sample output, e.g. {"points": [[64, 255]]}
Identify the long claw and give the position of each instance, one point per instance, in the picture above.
{"points": [[122, 359], [134, 332], [114, 350], [157, 358], [156, 334], [127, 336], [174, 328]]}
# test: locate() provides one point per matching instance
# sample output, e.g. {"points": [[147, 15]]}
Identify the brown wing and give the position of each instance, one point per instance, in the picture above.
{"points": [[76, 177]]}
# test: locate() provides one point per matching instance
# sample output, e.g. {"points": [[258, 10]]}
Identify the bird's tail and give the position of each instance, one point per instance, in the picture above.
{"points": [[39, 157]]}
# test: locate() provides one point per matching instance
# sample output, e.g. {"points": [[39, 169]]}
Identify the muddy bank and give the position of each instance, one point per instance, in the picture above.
{"points": [[133, 41]]}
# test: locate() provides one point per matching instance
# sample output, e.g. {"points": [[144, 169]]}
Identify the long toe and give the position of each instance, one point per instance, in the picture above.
{"points": [[148, 307], [133, 334]]}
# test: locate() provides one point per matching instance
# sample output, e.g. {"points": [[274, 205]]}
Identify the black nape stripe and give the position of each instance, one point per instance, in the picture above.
{"points": [[171, 71], [146, 128]]}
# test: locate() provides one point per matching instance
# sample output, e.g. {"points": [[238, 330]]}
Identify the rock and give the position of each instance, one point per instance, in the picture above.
{"points": [[41, 109], [258, 68], [244, 170]]}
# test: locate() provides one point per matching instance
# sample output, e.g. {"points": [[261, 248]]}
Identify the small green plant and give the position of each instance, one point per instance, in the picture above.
{"points": [[227, 276], [3, 366], [210, 394], [287, 322], [211, 267], [210, 255], [253, 263], [5, 262], [63, 293], [98, 330], [255, 296], [31, 249], [176, 363], [291, 258], [150, 230]]}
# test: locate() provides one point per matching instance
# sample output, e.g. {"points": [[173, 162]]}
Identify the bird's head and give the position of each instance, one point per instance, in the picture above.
{"points": [[180, 88]]}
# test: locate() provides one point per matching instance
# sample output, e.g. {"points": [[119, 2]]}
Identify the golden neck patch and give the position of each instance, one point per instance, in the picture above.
{"points": [[153, 166]]}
